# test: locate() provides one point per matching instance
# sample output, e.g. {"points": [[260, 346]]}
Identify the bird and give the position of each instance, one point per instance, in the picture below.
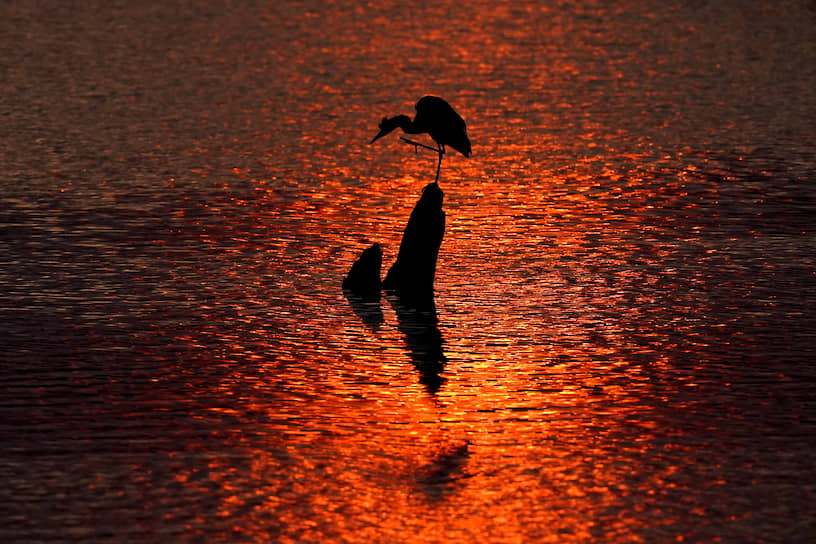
{"points": [[436, 118]]}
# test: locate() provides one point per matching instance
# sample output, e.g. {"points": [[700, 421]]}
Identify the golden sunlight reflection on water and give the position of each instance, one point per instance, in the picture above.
{"points": [[622, 344], [560, 412], [562, 394]]}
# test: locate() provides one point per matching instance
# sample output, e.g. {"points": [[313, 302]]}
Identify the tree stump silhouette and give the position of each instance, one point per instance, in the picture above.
{"points": [[411, 277]]}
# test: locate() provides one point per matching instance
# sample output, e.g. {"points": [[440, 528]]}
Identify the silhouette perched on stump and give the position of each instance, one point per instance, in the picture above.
{"points": [[410, 280], [411, 277], [435, 117]]}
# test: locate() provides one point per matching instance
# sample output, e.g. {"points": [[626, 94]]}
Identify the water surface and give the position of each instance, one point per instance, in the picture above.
{"points": [[623, 349]]}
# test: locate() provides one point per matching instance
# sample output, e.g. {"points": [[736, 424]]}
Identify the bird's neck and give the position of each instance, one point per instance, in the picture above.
{"points": [[404, 122], [408, 125]]}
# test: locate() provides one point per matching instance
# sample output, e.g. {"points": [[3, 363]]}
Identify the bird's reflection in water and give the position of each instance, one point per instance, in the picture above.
{"points": [[368, 310], [443, 470], [424, 339]]}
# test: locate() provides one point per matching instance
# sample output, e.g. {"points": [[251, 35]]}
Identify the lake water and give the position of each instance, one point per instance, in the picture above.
{"points": [[625, 341]]}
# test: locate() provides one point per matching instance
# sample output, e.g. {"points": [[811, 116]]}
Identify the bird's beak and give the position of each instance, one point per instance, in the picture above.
{"points": [[386, 125], [379, 135]]}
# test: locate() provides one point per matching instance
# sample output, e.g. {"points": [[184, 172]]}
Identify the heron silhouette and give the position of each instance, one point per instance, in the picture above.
{"points": [[436, 118]]}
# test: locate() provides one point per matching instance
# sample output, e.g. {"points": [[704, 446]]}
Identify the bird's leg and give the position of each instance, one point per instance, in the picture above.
{"points": [[441, 150], [417, 145]]}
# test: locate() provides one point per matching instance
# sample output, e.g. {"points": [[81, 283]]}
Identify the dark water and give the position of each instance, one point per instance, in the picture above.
{"points": [[624, 349]]}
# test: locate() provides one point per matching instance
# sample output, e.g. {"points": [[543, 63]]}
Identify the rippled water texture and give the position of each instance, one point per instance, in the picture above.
{"points": [[623, 349]]}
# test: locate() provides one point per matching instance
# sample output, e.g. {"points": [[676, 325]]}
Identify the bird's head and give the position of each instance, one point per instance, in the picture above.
{"points": [[388, 124]]}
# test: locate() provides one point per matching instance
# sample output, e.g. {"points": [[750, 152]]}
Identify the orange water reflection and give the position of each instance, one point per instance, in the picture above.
{"points": [[624, 342], [575, 304], [550, 423]]}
